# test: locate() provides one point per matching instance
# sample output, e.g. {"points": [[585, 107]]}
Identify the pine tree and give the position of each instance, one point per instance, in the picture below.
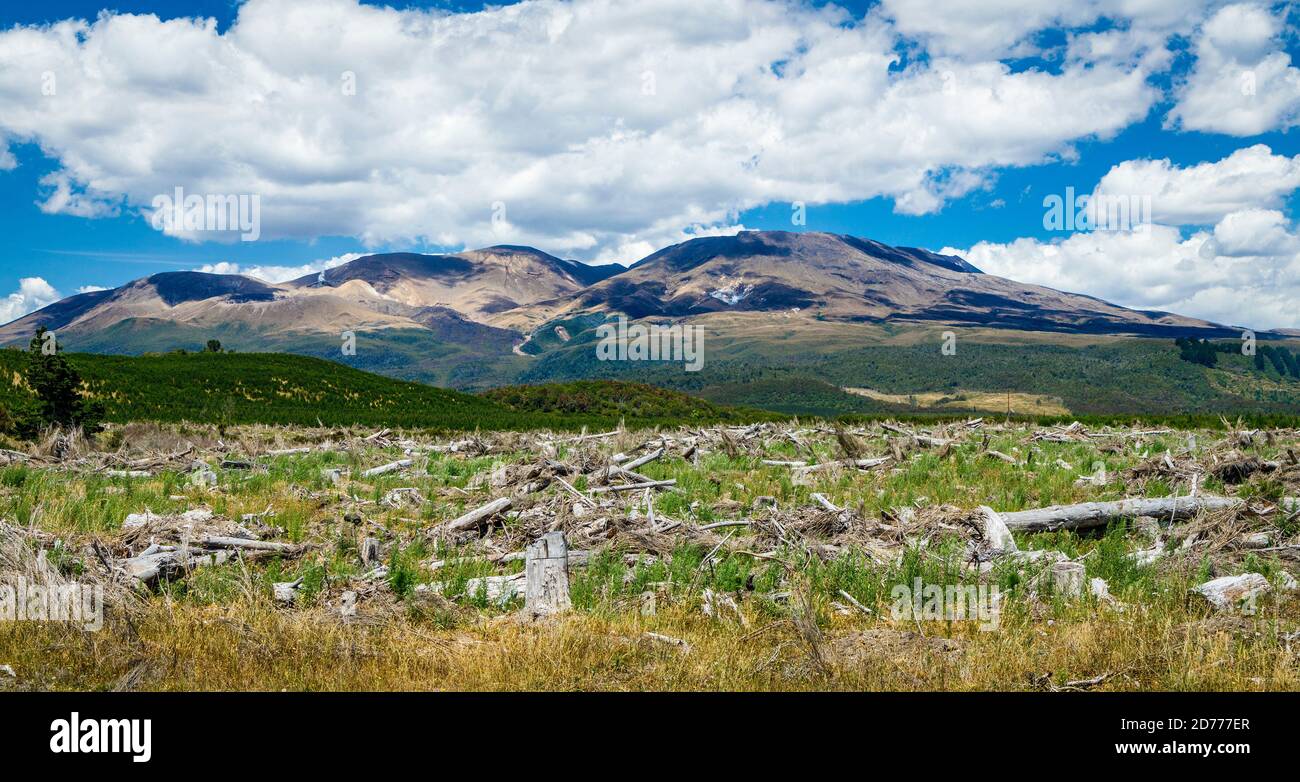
{"points": [[57, 386]]}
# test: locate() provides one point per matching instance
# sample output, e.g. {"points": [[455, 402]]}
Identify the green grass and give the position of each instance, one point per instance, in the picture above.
{"points": [[617, 399], [279, 388], [1102, 378], [216, 627]]}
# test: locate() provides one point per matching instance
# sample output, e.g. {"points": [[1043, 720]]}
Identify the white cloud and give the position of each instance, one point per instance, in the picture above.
{"points": [[32, 294], [1246, 272], [90, 288], [1250, 178], [64, 195], [541, 107], [1006, 28], [278, 273], [1242, 82], [1255, 233]]}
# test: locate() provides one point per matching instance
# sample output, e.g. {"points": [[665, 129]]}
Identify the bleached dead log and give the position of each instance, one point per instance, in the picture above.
{"points": [[855, 603], [286, 592], [999, 455], [633, 486], [721, 524], [219, 542], [586, 501], [147, 568], [1089, 515], [779, 463], [996, 534], [1101, 590], [476, 516], [642, 460], [546, 576], [581, 438], [1234, 593], [384, 469], [494, 589], [128, 473], [821, 500]]}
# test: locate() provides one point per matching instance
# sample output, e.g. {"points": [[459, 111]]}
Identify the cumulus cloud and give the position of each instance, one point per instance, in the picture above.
{"points": [[1007, 28], [1250, 178], [1242, 83], [271, 273], [1240, 266], [32, 294], [579, 127], [1246, 271]]}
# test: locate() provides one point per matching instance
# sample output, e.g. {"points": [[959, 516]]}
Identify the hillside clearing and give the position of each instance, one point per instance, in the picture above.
{"points": [[760, 556], [1010, 403]]}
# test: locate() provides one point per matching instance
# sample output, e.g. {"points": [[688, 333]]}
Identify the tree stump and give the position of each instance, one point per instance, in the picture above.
{"points": [[546, 573], [1068, 578], [370, 551]]}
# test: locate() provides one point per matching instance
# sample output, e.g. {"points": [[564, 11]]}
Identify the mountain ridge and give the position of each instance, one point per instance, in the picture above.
{"points": [[479, 318]]}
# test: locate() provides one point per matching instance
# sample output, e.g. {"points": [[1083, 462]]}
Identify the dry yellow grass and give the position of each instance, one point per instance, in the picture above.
{"points": [[252, 646], [958, 399]]}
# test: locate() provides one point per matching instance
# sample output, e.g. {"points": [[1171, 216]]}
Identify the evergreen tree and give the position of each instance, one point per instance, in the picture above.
{"points": [[1275, 357], [57, 386], [1292, 366]]}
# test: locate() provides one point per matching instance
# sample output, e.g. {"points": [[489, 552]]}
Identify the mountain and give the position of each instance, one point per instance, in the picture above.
{"points": [[420, 317], [854, 280], [853, 322], [476, 283]]}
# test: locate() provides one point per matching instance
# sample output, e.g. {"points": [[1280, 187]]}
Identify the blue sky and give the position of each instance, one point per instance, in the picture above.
{"points": [[894, 120]]}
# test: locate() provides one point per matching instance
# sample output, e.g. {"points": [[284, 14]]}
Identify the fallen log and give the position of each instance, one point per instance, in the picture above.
{"points": [[217, 541], [476, 516], [383, 469], [1090, 515], [633, 486], [149, 566]]}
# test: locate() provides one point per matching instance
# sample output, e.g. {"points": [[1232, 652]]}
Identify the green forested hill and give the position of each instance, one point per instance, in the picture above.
{"points": [[280, 388]]}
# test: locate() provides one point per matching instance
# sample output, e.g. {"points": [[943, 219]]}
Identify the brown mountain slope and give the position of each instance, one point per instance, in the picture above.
{"points": [[844, 278], [488, 300]]}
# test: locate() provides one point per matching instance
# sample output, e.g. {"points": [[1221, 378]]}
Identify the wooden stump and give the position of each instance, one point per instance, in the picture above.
{"points": [[370, 551], [1068, 578], [546, 571]]}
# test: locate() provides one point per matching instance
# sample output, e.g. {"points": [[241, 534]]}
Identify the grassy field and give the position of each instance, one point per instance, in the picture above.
{"points": [[757, 607], [1008, 403]]}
